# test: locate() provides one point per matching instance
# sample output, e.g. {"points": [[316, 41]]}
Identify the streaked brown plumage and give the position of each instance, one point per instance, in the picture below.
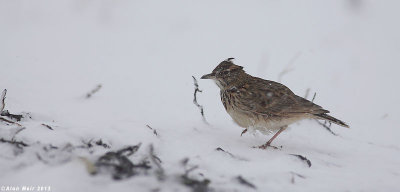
{"points": [[264, 105]]}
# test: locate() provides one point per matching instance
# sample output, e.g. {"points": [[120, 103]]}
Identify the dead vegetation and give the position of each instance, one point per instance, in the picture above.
{"points": [[326, 124], [47, 126], [157, 162], [154, 130], [244, 182], [230, 154], [90, 144], [119, 165], [93, 91], [18, 144], [5, 113], [304, 159], [197, 185], [196, 90], [296, 175]]}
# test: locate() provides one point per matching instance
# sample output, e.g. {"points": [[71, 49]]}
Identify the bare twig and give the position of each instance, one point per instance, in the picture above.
{"points": [[303, 159], [5, 112], [2, 98], [18, 144], [156, 160], [220, 149], [19, 130], [230, 154], [8, 121], [245, 182], [196, 89], [154, 130], [95, 90], [327, 126], [47, 126]]}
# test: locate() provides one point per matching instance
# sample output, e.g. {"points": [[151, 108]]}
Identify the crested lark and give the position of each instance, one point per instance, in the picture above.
{"points": [[261, 104]]}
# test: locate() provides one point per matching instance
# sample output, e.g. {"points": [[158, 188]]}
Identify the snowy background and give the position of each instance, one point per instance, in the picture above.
{"points": [[52, 53]]}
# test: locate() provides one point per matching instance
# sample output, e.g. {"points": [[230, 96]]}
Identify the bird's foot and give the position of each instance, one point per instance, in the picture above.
{"points": [[265, 146], [243, 132]]}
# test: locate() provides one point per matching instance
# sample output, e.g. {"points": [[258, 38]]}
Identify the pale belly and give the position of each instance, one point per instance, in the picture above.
{"points": [[264, 124]]}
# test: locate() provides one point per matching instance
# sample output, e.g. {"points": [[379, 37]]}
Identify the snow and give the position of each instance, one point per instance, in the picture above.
{"points": [[52, 53]]}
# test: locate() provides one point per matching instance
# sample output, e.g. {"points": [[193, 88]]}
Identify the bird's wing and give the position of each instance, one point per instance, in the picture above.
{"points": [[272, 99]]}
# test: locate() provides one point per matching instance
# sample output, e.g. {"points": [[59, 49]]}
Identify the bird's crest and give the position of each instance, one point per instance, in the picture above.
{"points": [[228, 66]]}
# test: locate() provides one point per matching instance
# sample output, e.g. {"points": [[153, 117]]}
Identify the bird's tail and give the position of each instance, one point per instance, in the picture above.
{"points": [[329, 118]]}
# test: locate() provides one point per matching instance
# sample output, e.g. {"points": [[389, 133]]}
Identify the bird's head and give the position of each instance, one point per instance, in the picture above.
{"points": [[225, 73]]}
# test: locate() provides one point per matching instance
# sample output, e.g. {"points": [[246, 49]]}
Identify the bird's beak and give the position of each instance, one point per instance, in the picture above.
{"points": [[208, 76]]}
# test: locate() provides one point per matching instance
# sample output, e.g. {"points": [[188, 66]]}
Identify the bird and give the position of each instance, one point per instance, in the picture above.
{"points": [[263, 105]]}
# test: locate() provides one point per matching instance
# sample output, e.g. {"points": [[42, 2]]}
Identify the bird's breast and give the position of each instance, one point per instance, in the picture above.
{"points": [[240, 117], [247, 119]]}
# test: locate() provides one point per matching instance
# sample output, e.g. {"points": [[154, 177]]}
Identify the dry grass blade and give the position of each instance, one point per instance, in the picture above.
{"points": [[303, 159], [95, 90], [243, 181], [47, 126], [315, 94]]}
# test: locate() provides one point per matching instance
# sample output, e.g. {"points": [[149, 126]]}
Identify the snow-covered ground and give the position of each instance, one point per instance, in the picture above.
{"points": [[52, 53]]}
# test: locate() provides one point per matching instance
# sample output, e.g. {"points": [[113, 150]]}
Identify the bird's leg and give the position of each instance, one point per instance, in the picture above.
{"points": [[243, 132], [268, 144]]}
